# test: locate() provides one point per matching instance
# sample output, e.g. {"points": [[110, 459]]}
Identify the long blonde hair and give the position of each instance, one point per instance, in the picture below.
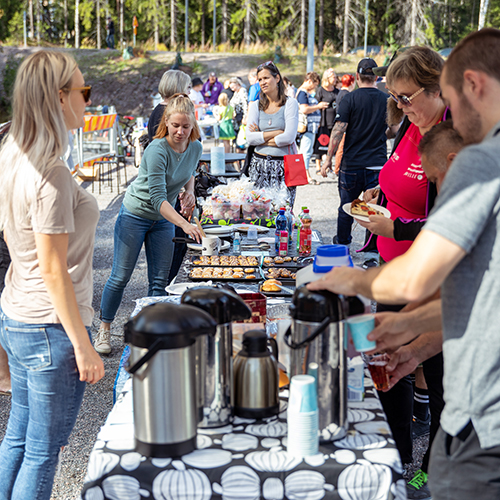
{"points": [[38, 136], [182, 104]]}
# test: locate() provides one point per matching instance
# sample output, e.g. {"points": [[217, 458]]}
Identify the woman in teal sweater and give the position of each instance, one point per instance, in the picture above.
{"points": [[148, 215]]}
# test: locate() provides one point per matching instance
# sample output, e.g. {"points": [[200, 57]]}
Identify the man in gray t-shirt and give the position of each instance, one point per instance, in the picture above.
{"points": [[458, 251]]}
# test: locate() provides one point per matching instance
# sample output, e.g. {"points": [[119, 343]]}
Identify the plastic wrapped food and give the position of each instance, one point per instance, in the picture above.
{"points": [[256, 205], [223, 208]]}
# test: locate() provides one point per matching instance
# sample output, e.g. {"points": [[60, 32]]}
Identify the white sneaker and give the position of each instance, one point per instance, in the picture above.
{"points": [[102, 343]]}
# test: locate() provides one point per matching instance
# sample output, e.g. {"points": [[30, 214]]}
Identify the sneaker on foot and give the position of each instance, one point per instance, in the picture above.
{"points": [[420, 427], [102, 343], [416, 488]]}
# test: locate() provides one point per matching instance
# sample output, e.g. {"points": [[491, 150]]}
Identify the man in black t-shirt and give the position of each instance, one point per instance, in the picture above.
{"points": [[362, 116]]}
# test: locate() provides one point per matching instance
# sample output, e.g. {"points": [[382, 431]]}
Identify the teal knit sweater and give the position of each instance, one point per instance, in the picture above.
{"points": [[162, 174]]}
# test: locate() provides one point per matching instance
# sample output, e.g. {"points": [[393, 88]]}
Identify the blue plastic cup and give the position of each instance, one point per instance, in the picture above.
{"points": [[360, 327], [303, 394]]}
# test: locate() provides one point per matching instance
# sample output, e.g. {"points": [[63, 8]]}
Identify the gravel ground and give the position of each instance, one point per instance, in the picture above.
{"points": [[323, 201]]}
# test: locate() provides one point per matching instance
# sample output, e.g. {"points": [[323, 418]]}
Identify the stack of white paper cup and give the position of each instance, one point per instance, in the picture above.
{"points": [[302, 417]]}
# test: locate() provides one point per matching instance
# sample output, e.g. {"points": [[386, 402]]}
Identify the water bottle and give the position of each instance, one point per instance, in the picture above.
{"points": [[236, 243], [299, 225], [289, 218], [305, 234], [281, 223]]}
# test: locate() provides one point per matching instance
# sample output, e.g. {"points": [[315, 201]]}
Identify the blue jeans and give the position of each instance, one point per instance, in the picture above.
{"points": [[352, 183], [306, 147], [46, 397], [131, 231]]}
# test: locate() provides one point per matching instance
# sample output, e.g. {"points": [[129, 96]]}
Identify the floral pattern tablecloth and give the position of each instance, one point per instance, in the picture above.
{"points": [[248, 460]]}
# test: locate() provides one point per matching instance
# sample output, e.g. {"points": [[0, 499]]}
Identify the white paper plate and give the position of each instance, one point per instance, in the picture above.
{"points": [[180, 288], [219, 230], [197, 246], [347, 209], [244, 228]]}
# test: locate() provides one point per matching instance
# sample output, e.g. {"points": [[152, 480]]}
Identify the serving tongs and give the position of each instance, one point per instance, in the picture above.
{"points": [[261, 246]]}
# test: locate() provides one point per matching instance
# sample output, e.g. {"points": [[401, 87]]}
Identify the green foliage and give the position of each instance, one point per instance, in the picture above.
{"points": [[273, 22], [9, 77]]}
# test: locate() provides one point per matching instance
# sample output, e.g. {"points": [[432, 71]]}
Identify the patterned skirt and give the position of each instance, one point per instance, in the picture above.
{"points": [[269, 172]]}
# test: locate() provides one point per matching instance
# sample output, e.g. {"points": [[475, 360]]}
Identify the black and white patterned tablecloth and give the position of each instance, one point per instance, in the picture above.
{"points": [[248, 460]]}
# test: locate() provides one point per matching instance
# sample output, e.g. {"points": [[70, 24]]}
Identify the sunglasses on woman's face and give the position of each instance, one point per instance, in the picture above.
{"points": [[404, 100], [85, 91]]}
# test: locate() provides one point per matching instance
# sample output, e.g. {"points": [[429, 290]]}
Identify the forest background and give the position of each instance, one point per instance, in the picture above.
{"points": [[249, 26]]}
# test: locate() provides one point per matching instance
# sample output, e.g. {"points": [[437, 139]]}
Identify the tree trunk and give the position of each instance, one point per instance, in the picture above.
{"points": [[65, 23], [173, 26], [356, 25], [413, 34], [203, 17], [98, 17], [347, 10], [247, 22], [157, 27], [321, 25], [32, 24], [303, 23], [38, 22], [472, 15], [483, 9], [122, 23], [224, 22], [77, 24]]}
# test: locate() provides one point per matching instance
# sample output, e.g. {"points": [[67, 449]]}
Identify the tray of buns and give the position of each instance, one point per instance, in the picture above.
{"points": [[290, 262], [225, 273], [280, 273], [225, 261], [271, 288]]}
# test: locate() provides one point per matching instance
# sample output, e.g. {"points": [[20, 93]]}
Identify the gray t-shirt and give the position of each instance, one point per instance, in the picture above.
{"points": [[274, 121], [467, 213]]}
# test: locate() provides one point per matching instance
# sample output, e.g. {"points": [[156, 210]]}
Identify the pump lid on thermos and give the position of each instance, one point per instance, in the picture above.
{"points": [[254, 344], [315, 306], [222, 304], [175, 326]]}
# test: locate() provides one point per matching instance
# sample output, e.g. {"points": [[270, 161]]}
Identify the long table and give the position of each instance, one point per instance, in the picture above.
{"points": [[248, 460]]}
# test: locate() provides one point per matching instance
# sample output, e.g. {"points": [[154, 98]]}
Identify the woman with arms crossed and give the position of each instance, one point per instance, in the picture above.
{"points": [[273, 121], [147, 215], [49, 225]]}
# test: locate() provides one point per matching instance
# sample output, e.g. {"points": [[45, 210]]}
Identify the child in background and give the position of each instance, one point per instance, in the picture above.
{"points": [[225, 114]]}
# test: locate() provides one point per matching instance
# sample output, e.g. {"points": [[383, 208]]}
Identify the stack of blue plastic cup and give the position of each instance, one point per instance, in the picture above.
{"points": [[302, 415]]}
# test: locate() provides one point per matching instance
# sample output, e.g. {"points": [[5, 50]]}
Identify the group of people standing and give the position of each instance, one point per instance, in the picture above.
{"points": [[436, 288]]}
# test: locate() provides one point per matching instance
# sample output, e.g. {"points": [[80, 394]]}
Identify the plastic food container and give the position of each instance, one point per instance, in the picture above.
{"points": [[256, 209], [226, 210]]}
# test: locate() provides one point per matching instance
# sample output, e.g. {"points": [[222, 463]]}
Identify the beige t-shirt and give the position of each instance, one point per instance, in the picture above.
{"points": [[62, 207]]}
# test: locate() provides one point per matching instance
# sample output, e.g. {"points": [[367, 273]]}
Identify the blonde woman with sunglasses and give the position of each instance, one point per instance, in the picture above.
{"points": [[49, 224], [147, 216]]}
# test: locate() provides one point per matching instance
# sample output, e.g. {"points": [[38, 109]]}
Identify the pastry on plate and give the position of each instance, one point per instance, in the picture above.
{"points": [[359, 207], [250, 276], [271, 286], [278, 260]]}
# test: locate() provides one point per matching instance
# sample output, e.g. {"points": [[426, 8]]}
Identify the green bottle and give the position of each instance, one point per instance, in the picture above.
{"points": [[299, 224]]}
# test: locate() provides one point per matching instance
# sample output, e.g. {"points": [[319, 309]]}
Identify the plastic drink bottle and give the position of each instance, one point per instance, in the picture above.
{"points": [[283, 244], [289, 218], [236, 243], [305, 234], [299, 225], [281, 223]]}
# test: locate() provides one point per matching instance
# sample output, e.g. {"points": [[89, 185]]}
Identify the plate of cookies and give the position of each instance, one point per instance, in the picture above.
{"points": [[225, 260], [279, 273], [273, 288], [200, 273], [278, 261]]}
